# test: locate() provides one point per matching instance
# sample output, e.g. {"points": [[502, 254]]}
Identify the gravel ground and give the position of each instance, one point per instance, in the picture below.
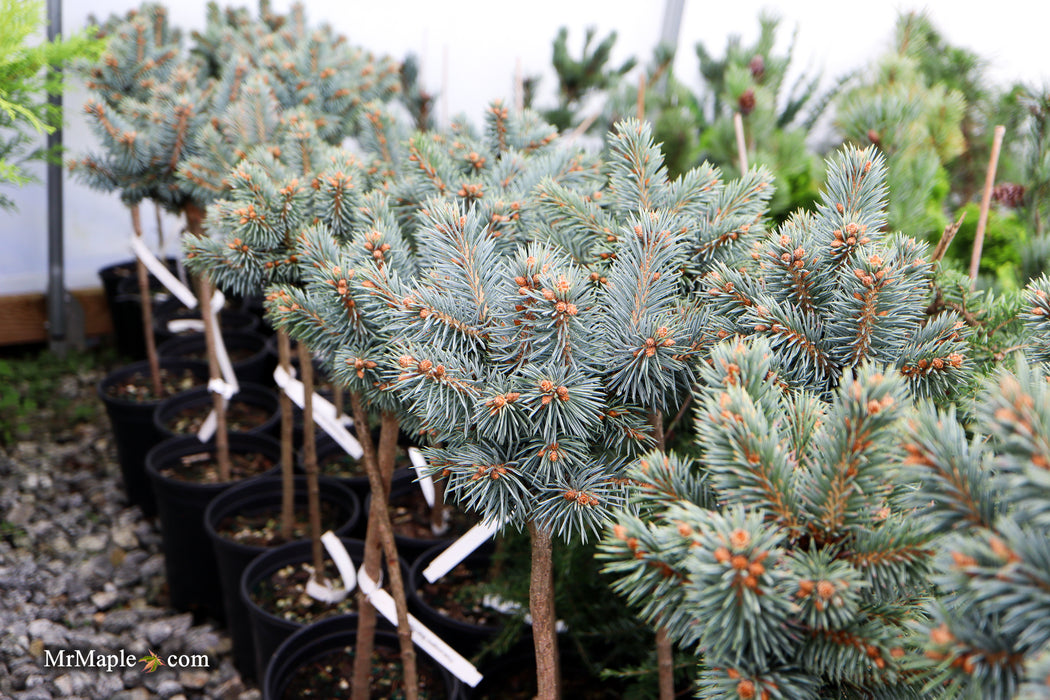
{"points": [[80, 571]]}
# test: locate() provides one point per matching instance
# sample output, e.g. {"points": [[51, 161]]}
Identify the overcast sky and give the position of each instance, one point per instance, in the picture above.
{"points": [[470, 51]]}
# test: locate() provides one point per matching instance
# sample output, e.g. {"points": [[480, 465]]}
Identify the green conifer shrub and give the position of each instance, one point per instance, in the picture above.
{"points": [[987, 497], [787, 557]]}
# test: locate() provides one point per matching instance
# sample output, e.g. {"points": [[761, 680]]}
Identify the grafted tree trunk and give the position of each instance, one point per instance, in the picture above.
{"points": [[313, 491], [146, 301], [664, 649], [541, 607], [284, 357], [380, 532]]}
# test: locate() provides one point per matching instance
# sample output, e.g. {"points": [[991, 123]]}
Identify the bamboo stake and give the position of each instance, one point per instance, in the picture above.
{"points": [[146, 301], [986, 201], [582, 128], [641, 97], [741, 144]]}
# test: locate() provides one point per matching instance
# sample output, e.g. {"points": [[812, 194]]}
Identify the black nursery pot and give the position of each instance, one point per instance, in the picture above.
{"points": [[465, 637], [189, 559], [126, 313], [331, 637], [329, 449], [411, 548], [201, 398], [255, 497], [270, 629], [229, 319], [257, 368], [133, 431]]}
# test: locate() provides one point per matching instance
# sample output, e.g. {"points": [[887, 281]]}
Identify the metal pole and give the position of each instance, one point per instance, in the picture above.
{"points": [[672, 23], [56, 308]]}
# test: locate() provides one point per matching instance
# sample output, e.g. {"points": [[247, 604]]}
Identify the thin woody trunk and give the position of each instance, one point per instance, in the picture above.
{"points": [[211, 331], [195, 225], [664, 649], [366, 617], [437, 514], [313, 490], [146, 301], [379, 521], [284, 357], [541, 607]]}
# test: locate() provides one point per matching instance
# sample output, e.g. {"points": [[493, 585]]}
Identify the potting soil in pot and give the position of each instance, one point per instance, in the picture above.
{"points": [[284, 594], [263, 529], [329, 677], [241, 416], [203, 468], [460, 593], [410, 516], [139, 386]]}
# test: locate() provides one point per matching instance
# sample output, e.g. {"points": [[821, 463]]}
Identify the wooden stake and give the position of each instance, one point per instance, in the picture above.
{"points": [[641, 97], [741, 144], [146, 301], [986, 201], [946, 239]]}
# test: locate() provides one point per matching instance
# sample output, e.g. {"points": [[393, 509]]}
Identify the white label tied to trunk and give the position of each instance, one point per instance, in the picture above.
{"points": [[422, 636], [461, 549], [426, 484], [161, 272], [227, 386], [325, 414]]}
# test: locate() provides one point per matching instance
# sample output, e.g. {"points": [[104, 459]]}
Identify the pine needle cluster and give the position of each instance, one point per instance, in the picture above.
{"points": [[788, 559], [987, 634], [832, 289]]}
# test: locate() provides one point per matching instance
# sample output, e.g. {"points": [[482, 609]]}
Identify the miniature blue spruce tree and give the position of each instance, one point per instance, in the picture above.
{"points": [[987, 634], [787, 557], [832, 289]]}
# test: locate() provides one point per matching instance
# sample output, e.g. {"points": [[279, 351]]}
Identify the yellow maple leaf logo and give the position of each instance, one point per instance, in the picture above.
{"points": [[152, 661]]}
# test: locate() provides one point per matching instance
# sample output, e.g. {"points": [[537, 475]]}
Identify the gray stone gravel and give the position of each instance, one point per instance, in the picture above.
{"points": [[82, 571]]}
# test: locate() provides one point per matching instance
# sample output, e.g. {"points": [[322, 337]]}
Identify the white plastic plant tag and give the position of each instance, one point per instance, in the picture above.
{"points": [[161, 272], [460, 549], [326, 593], [219, 386], [225, 366], [426, 484], [422, 636], [181, 325], [218, 299], [342, 560], [324, 418], [208, 427]]}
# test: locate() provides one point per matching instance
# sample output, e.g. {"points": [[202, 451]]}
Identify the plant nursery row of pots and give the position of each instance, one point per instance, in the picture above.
{"points": [[807, 470], [225, 557]]}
